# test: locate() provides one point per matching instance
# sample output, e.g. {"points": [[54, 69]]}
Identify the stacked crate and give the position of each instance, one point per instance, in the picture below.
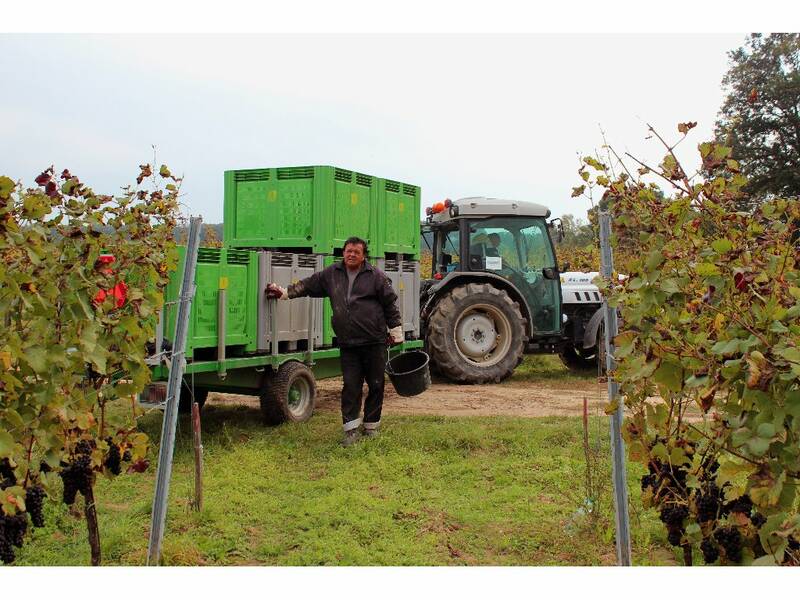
{"points": [[229, 269], [315, 209], [304, 211], [282, 225]]}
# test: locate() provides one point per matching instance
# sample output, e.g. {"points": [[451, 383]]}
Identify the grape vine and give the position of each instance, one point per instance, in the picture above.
{"points": [[708, 355], [81, 282]]}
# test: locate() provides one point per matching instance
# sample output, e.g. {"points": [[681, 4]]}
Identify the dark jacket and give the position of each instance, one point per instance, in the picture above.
{"points": [[371, 309]]}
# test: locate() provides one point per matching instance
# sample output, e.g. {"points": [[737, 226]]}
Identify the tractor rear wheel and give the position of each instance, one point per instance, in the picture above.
{"points": [[587, 360], [289, 394], [579, 360], [476, 334]]}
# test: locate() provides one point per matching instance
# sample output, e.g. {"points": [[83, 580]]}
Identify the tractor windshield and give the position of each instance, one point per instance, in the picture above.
{"points": [[519, 249]]}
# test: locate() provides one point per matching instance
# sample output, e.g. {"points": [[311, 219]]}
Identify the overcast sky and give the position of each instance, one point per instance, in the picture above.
{"points": [[457, 114]]}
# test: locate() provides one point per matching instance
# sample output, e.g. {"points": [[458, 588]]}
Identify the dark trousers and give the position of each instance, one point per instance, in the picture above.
{"points": [[360, 364]]}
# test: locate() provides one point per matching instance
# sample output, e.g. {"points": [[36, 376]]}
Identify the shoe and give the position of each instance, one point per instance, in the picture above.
{"points": [[351, 437], [371, 433]]}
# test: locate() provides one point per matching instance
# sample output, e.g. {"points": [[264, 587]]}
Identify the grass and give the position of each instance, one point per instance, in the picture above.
{"points": [[549, 368], [430, 491]]}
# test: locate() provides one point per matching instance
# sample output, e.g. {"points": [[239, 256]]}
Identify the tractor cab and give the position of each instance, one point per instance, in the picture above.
{"points": [[491, 240]]}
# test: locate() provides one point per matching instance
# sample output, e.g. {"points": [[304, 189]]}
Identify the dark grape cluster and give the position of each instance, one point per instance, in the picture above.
{"points": [[742, 504], [758, 520], [731, 541], [113, 457], [83, 447], [34, 500], [710, 550], [673, 516], [7, 478], [664, 480], [76, 477], [6, 551], [709, 504], [12, 533], [126, 456], [674, 536]]}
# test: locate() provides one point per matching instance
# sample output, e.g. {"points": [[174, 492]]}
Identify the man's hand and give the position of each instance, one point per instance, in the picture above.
{"points": [[276, 292], [396, 336]]}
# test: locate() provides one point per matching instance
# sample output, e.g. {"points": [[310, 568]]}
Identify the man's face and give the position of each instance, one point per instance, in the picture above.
{"points": [[353, 256]]}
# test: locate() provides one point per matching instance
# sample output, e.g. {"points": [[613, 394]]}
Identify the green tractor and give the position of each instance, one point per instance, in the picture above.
{"points": [[496, 292]]}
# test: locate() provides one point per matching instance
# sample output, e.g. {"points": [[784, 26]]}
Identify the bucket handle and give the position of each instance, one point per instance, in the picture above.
{"points": [[399, 350], [388, 362]]}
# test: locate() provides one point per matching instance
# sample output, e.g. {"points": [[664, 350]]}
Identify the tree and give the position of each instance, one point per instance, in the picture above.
{"points": [[760, 117], [577, 232], [210, 237]]}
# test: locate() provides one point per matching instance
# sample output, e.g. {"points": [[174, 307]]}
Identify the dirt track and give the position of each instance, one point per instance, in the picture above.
{"points": [[538, 398], [521, 399]]}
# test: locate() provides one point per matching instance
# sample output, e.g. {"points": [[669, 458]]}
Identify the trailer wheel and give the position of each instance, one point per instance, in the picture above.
{"points": [[476, 334], [185, 401], [289, 394]]}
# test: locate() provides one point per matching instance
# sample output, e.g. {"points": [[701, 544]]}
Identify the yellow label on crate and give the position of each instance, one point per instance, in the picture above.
{"points": [[272, 195], [402, 286], [353, 198], [223, 283], [401, 207]]}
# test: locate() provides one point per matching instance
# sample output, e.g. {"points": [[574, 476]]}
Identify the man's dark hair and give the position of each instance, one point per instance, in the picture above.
{"points": [[355, 240]]}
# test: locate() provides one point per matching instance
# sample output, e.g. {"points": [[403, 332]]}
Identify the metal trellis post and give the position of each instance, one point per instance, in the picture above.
{"points": [[177, 366], [617, 444]]}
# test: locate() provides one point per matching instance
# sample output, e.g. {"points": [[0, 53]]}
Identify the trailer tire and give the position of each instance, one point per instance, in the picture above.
{"points": [[476, 334], [185, 401], [289, 394]]}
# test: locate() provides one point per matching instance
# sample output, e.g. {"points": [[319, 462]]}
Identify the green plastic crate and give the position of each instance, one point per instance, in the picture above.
{"points": [[318, 208], [237, 271], [398, 216]]}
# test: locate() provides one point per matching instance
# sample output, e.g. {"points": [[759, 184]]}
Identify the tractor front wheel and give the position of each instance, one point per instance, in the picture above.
{"points": [[476, 334]]}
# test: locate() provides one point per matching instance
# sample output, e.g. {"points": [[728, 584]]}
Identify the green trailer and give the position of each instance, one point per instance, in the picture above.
{"points": [[282, 225]]}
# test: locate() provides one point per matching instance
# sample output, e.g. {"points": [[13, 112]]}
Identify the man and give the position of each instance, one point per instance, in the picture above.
{"points": [[494, 244], [364, 308]]}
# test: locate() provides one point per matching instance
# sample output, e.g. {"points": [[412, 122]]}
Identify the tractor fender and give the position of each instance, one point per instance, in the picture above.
{"points": [[461, 278], [590, 333]]}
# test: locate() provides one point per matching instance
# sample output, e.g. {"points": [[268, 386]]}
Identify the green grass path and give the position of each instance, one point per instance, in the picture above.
{"points": [[429, 491]]}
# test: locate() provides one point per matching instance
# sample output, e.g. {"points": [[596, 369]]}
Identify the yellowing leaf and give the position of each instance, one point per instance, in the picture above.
{"points": [[670, 375], [707, 269], [721, 246], [6, 444]]}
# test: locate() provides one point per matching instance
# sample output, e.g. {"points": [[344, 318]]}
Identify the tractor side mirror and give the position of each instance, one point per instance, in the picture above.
{"points": [[550, 273], [559, 229]]}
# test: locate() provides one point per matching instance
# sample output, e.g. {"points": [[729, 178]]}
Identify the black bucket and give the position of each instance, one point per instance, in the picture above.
{"points": [[409, 372]]}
